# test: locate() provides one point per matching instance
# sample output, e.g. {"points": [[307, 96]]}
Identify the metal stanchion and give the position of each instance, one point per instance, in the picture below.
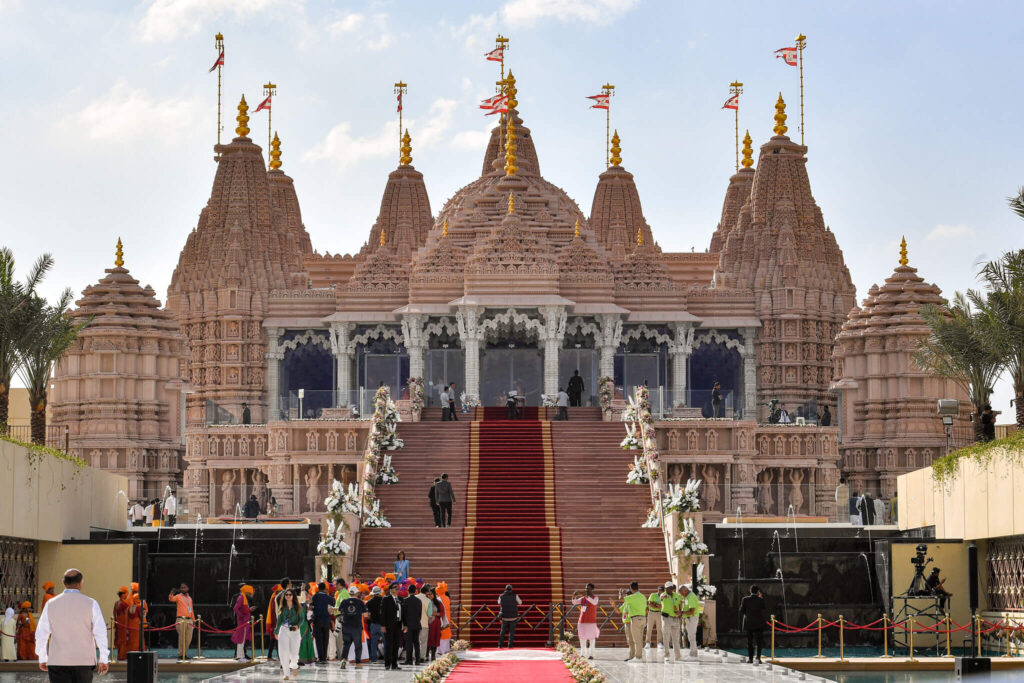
{"points": [[252, 637], [199, 636], [949, 651], [263, 650], [773, 639], [911, 638], [1008, 631], [885, 636], [819, 655], [977, 629], [842, 651]]}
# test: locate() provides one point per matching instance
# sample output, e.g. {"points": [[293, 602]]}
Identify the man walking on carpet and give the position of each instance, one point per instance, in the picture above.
{"points": [[445, 497], [434, 507], [509, 603]]}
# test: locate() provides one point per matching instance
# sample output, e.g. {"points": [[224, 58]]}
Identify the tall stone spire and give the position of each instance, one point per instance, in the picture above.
{"points": [[616, 216], [404, 218], [781, 249], [525, 152], [249, 240], [736, 195], [286, 205]]}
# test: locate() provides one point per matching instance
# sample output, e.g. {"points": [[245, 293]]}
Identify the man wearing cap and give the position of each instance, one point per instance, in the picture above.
{"points": [[690, 615], [634, 619], [654, 620], [671, 606], [71, 629], [391, 626]]}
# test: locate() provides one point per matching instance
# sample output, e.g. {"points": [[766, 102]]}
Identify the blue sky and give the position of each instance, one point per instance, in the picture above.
{"points": [[109, 115]]}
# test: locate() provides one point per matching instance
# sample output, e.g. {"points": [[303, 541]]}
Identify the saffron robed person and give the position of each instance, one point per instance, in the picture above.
{"points": [[71, 630]]}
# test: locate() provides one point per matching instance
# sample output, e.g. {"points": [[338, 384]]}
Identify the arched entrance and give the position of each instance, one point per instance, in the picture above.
{"points": [[715, 362]]}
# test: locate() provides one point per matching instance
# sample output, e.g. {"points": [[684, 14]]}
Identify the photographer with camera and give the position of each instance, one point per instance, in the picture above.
{"points": [[934, 584]]}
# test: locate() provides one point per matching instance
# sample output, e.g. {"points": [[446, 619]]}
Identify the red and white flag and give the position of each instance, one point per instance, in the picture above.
{"points": [[601, 101], [399, 103], [219, 62], [496, 55], [265, 104], [788, 55], [495, 105], [732, 103]]}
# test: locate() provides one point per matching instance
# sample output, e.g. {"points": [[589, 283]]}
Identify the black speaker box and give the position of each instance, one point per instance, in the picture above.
{"points": [[965, 666]]}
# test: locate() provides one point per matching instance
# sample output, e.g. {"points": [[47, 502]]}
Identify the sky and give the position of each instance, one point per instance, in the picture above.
{"points": [[108, 116]]}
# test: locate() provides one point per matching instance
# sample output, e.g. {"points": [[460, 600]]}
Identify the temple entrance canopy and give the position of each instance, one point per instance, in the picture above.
{"points": [[443, 366], [511, 368]]}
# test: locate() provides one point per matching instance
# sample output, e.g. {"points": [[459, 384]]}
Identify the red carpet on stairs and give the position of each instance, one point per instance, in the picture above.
{"points": [[500, 413], [518, 671], [511, 535]]}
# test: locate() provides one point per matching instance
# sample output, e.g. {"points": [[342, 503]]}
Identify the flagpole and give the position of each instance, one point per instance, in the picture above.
{"points": [[219, 45], [736, 88], [801, 43], [502, 43], [608, 90], [400, 90], [269, 90]]}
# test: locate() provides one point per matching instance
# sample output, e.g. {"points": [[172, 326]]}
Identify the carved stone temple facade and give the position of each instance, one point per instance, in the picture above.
{"points": [[510, 286]]}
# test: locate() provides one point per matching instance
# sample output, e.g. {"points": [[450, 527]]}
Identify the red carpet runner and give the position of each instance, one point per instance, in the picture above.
{"points": [[475, 671], [510, 535]]}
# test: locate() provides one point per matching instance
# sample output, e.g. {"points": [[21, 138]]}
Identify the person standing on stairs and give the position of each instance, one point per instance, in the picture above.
{"points": [[562, 401], [401, 567], [634, 608], [445, 497], [575, 389], [453, 413], [509, 603], [587, 625], [434, 507], [391, 626], [412, 612], [444, 404]]}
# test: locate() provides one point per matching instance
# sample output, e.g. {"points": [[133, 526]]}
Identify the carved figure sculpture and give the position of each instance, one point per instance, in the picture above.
{"points": [[259, 489], [227, 491], [796, 495], [313, 487], [711, 492], [765, 499]]}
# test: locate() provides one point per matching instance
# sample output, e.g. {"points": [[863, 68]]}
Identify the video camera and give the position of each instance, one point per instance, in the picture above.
{"points": [[919, 560]]}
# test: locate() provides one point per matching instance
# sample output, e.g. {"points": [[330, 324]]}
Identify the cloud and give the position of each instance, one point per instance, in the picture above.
{"points": [[949, 232], [166, 20], [472, 139], [346, 24], [343, 149], [528, 12], [371, 33], [125, 113]]}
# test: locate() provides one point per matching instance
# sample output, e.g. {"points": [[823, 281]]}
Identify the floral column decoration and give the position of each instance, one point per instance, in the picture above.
{"points": [[416, 394]]}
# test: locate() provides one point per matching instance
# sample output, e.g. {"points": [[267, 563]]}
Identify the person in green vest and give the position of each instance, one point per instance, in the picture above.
{"points": [[671, 606], [341, 594], [690, 615], [634, 620], [654, 622]]}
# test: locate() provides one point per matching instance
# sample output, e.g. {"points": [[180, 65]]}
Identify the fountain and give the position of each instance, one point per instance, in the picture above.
{"points": [[796, 540], [739, 515], [867, 573], [195, 549], [234, 550], [779, 574]]}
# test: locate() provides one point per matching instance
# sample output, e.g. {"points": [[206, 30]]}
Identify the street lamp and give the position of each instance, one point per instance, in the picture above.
{"points": [[948, 408]]}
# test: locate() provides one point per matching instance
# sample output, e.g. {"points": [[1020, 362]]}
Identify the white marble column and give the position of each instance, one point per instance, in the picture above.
{"points": [[680, 349], [749, 374], [340, 341], [274, 356], [554, 318], [608, 342], [415, 342], [468, 320]]}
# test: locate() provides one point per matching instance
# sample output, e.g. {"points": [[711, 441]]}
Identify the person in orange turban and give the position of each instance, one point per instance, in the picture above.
{"points": [[48, 592], [446, 621], [26, 633], [121, 623], [135, 614], [271, 620], [243, 625]]}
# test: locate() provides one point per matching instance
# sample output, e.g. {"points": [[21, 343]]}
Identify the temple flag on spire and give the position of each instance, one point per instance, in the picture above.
{"points": [[601, 101], [495, 105], [399, 110], [732, 103], [219, 62], [265, 104], [496, 55], [787, 54]]}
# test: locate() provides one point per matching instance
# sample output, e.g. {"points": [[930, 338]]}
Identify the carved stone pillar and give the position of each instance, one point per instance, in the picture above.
{"points": [[680, 350], [340, 341], [415, 342], [749, 374], [744, 479], [554, 335], [608, 342], [274, 356], [468, 320]]}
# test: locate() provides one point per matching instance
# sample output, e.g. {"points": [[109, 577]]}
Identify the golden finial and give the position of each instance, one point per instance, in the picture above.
{"points": [[406, 149], [510, 90], [510, 148], [748, 152], [383, 237], [616, 150], [511, 203], [903, 252], [119, 254], [639, 237], [780, 117], [577, 227], [275, 152], [243, 119], [445, 232]]}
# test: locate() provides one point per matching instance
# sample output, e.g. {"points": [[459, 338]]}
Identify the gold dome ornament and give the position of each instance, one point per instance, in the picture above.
{"points": [[748, 152], [119, 254], [510, 148], [577, 227], [406, 149], [511, 203], [275, 152], [383, 237], [903, 252], [780, 116], [616, 159], [444, 233], [243, 119]]}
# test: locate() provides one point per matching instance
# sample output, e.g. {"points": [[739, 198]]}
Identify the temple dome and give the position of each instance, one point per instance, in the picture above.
{"points": [[404, 213]]}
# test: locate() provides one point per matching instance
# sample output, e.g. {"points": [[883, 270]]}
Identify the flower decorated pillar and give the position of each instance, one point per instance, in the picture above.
{"points": [[553, 336], [471, 334]]}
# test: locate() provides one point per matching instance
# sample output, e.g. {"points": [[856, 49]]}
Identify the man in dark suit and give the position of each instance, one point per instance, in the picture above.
{"points": [[435, 508], [321, 604], [575, 389], [445, 496], [412, 610], [391, 627], [752, 612]]}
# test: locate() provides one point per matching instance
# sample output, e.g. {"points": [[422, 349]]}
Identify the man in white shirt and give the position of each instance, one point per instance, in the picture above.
{"points": [[149, 515], [138, 514], [444, 404], [562, 401], [70, 631], [170, 509]]}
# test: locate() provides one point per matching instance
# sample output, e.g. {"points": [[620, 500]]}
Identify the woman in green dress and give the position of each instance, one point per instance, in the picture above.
{"points": [[307, 652], [287, 634]]}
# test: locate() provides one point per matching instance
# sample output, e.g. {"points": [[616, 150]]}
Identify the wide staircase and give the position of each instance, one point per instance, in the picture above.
{"points": [[540, 505]]}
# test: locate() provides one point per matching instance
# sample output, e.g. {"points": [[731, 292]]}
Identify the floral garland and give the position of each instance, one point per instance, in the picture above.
{"points": [[383, 436], [683, 499], [460, 645], [438, 669], [386, 473], [653, 520], [689, 544], [333, 544], [416, 393], [469, 401], [704, 590], [638, 472], [581, 670], [605, 392], [646, 432]]}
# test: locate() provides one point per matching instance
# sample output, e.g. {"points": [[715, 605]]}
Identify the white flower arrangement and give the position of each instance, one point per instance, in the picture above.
{"points": [[386, 473], [631, 442], [373, 518], [683, 499], [605, 392], [333, 542], [638, 472], [653, 520], [548, 401], [335, 498], [350, 501], [704, 590], [469, 401], [689, 544]]}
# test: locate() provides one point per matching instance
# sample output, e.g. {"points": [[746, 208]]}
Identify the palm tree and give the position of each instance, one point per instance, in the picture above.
{"points": [[1017, 203], [50, 331], [1001, 312], [956, 349], [14, 299]]}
